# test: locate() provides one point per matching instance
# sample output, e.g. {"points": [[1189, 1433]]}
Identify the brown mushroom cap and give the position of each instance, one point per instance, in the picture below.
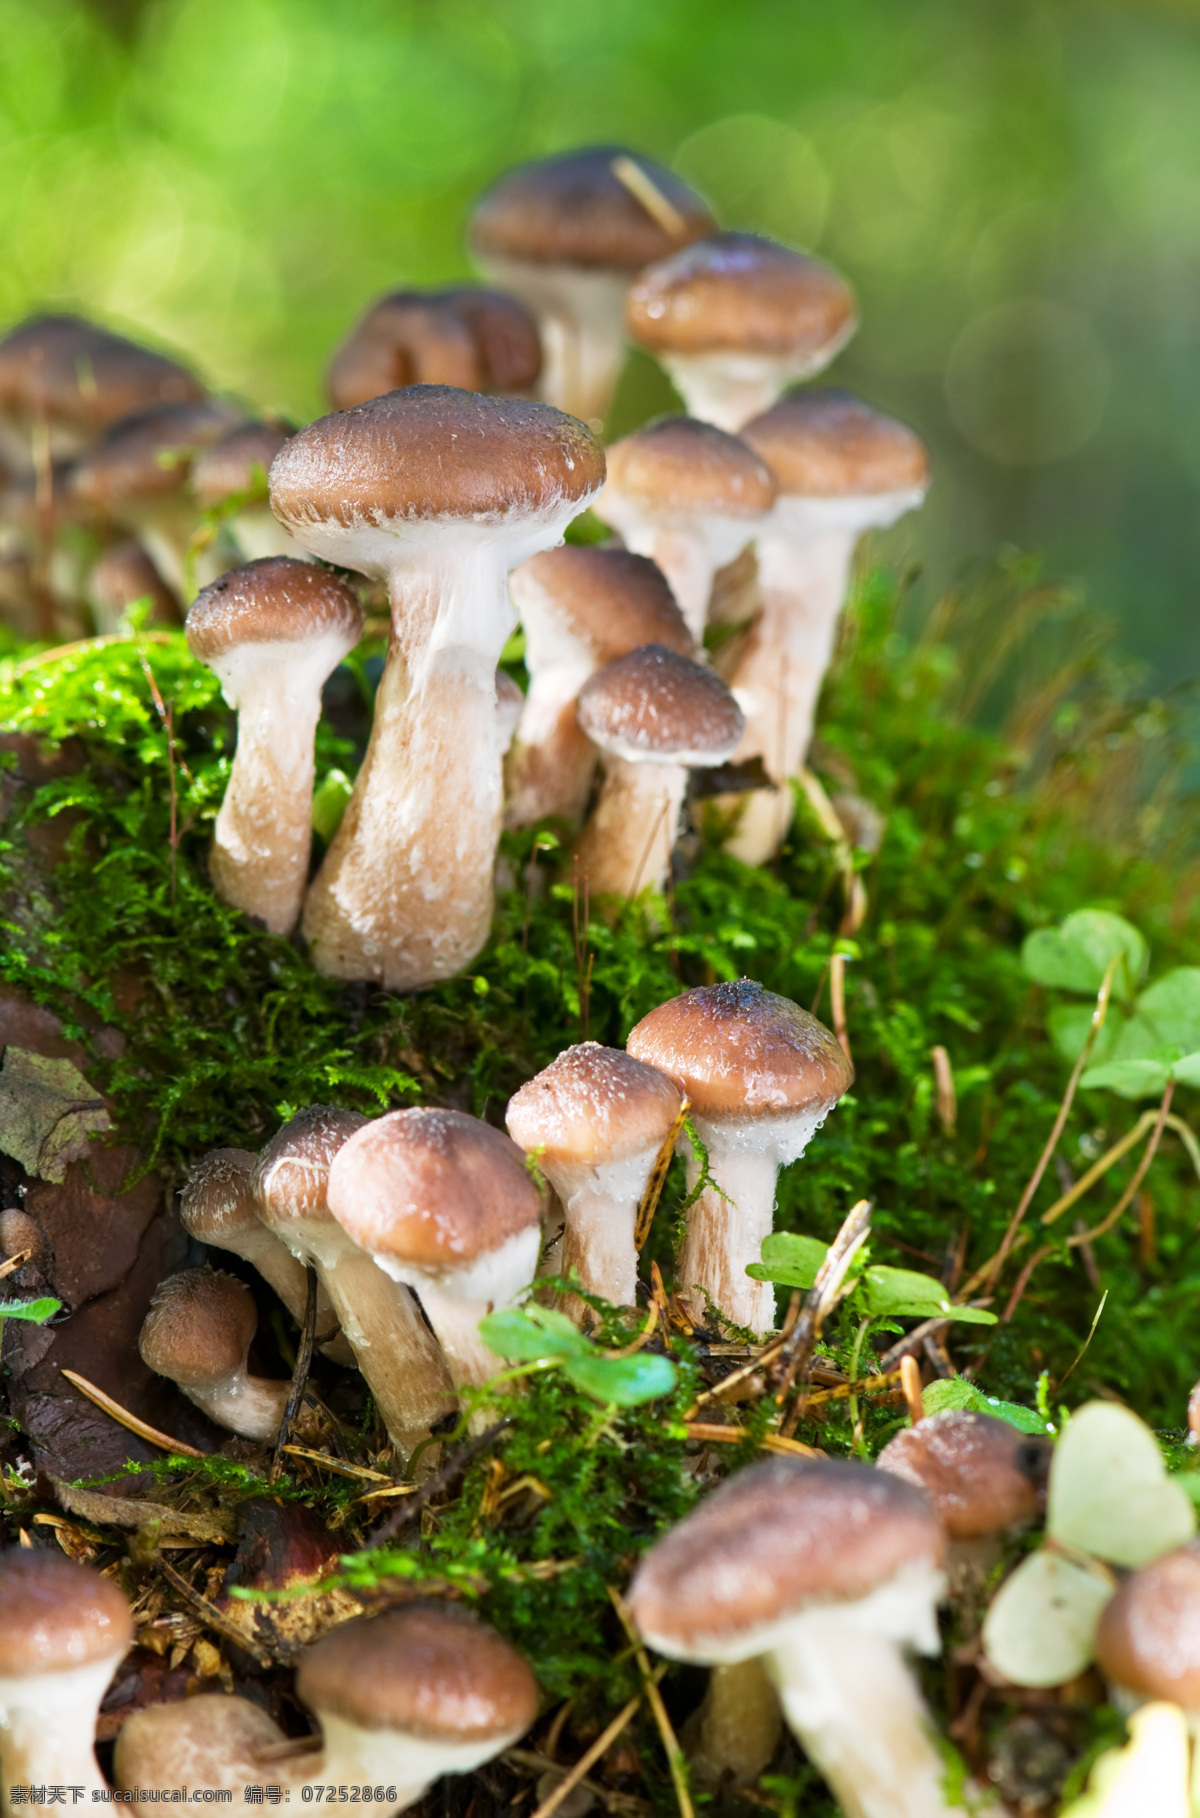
{"points": [[679, 464], [125, 573], [432, 452], [593, 1104], [573, 210], [56, 1614], [218, 1200], [200, 1326], [437, 1189], [77, 373], [827, 444], [739, 1051], [276, 600], [239, 462], [981, 1474], [427, 1670], [775, 1538], [652, 704], [608, 598], [739, 293], [1149, 1635], [147, 455], [291, 1176], [480, 339]]}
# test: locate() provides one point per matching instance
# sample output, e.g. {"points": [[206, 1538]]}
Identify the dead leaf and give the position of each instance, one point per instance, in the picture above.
{"points": [[126, 1512], [47, 1113]]}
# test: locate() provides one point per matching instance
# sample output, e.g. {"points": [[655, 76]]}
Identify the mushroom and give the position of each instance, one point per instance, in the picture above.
{"points": [[689, 496], [842, 467], [580, 607], [653, 715], [123, 575], [401, 1698], [826, 1571], [479, 340], [273, 632], [442, 492], [198, 1334], [567, 235], [232, 474], [444, 1203], [735, 319], [394, 1348], [762, 1076], [64, 1630], [733, 1736], [136, 476], [1148, 1648], [510, 705], [595, 1120]]}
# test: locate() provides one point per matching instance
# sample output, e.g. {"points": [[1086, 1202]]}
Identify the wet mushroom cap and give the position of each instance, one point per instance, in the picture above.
{"points": [[739, 293], [653, 704], [1149, 1635], [608, 598], [218, 1200], [428, 452], [574, 210], [79, 373], [776, 1538], [593, 1104], [739, 1051], [680, 464], [56, 1614], [982, 1474], [276, 600], [426, 1670], [437, 1188], [147, 455], [200, 1326], [291, 1175], [828, 444], [239, 462]]}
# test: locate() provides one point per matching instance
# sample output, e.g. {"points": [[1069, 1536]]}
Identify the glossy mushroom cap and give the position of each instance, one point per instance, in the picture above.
{"points": [[1149, 1635], [199, 1328], [426, 1670], [429, 453], [78, 374], [238, 462], [148, 455], [982, 1475], [593, 1104], [276, 601], [481, 340], [291, 1175], [680, 467], [606, 598], [574, 210], [773, 1541], [218, 1200], [738, 292], [828, 444], [653, 706], [437, 1190], [739, 1051], [56, 1614]]}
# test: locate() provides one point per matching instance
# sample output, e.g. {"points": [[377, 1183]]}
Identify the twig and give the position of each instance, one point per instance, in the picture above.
{"points": [[212, 1616], [712, 1434], [865, 1385], [1023, 1280], [644, 189], [125, 1419], [1091, 1334], [14, 1262], [675, 1756], [910, 1382], [796, 1352], [603, 1742], [767, 1355], [1148, 1154], [1099, 1169], [658, 1175], [450, 1471], [342, 1469], [912, 1341], [837, 1002], [308, 1332], [947, 1101]]}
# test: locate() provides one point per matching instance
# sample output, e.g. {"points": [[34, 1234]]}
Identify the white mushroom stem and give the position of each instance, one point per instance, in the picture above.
{"points": [[725, 1234], [689, 550], [250, 1406], [551, 763], [405, 894], [47, 1728], [263, 833], [600, 1204], [164, 527], [729, 388], [581, 319], [626, 845]]}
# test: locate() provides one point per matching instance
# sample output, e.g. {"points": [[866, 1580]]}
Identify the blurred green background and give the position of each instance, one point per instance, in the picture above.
{"points": [[1013, 188]]}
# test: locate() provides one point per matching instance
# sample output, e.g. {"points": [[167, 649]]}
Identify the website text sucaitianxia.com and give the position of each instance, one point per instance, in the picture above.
{"points": [[310, 1794]]}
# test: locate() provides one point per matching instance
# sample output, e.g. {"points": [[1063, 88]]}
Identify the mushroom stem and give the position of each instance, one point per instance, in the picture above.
{"points": [[248, 1405], [729, 388], [739, 1724], [581, 319], [626, 845], [550, 766], [601, 1216], [47, 1725]]}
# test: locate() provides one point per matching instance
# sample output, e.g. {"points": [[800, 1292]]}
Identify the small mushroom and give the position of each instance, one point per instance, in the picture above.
{"points": [[444, 1203], [689, 496], [1148, 1639], [198, 1334], [441, 492], [120, 577], [596, 1119], [827, 1571], [581, 606], [842, 467], [762, 1076], [567, 235], [395, 1351], [273, 632], [232, 474], [735, 319], [476, 339], [653, 716], [64, 1630]]}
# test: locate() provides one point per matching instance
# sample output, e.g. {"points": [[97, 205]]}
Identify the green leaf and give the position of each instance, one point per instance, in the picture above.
{"points": [[904, 1291], [329, 803], [1109, 1492], [36, 1311], [793, 1262], [1075, 955], [1130, 1078], [531, 1335], [789, 1260], [1170, 1008], [957, 1392], [623, 1380], [1068, 1025], [1187, 1070]]}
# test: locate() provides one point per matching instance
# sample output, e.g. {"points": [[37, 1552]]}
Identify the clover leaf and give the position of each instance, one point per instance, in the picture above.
{"points": [[540, 1335], [1076, 955], [879, 1292]]}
